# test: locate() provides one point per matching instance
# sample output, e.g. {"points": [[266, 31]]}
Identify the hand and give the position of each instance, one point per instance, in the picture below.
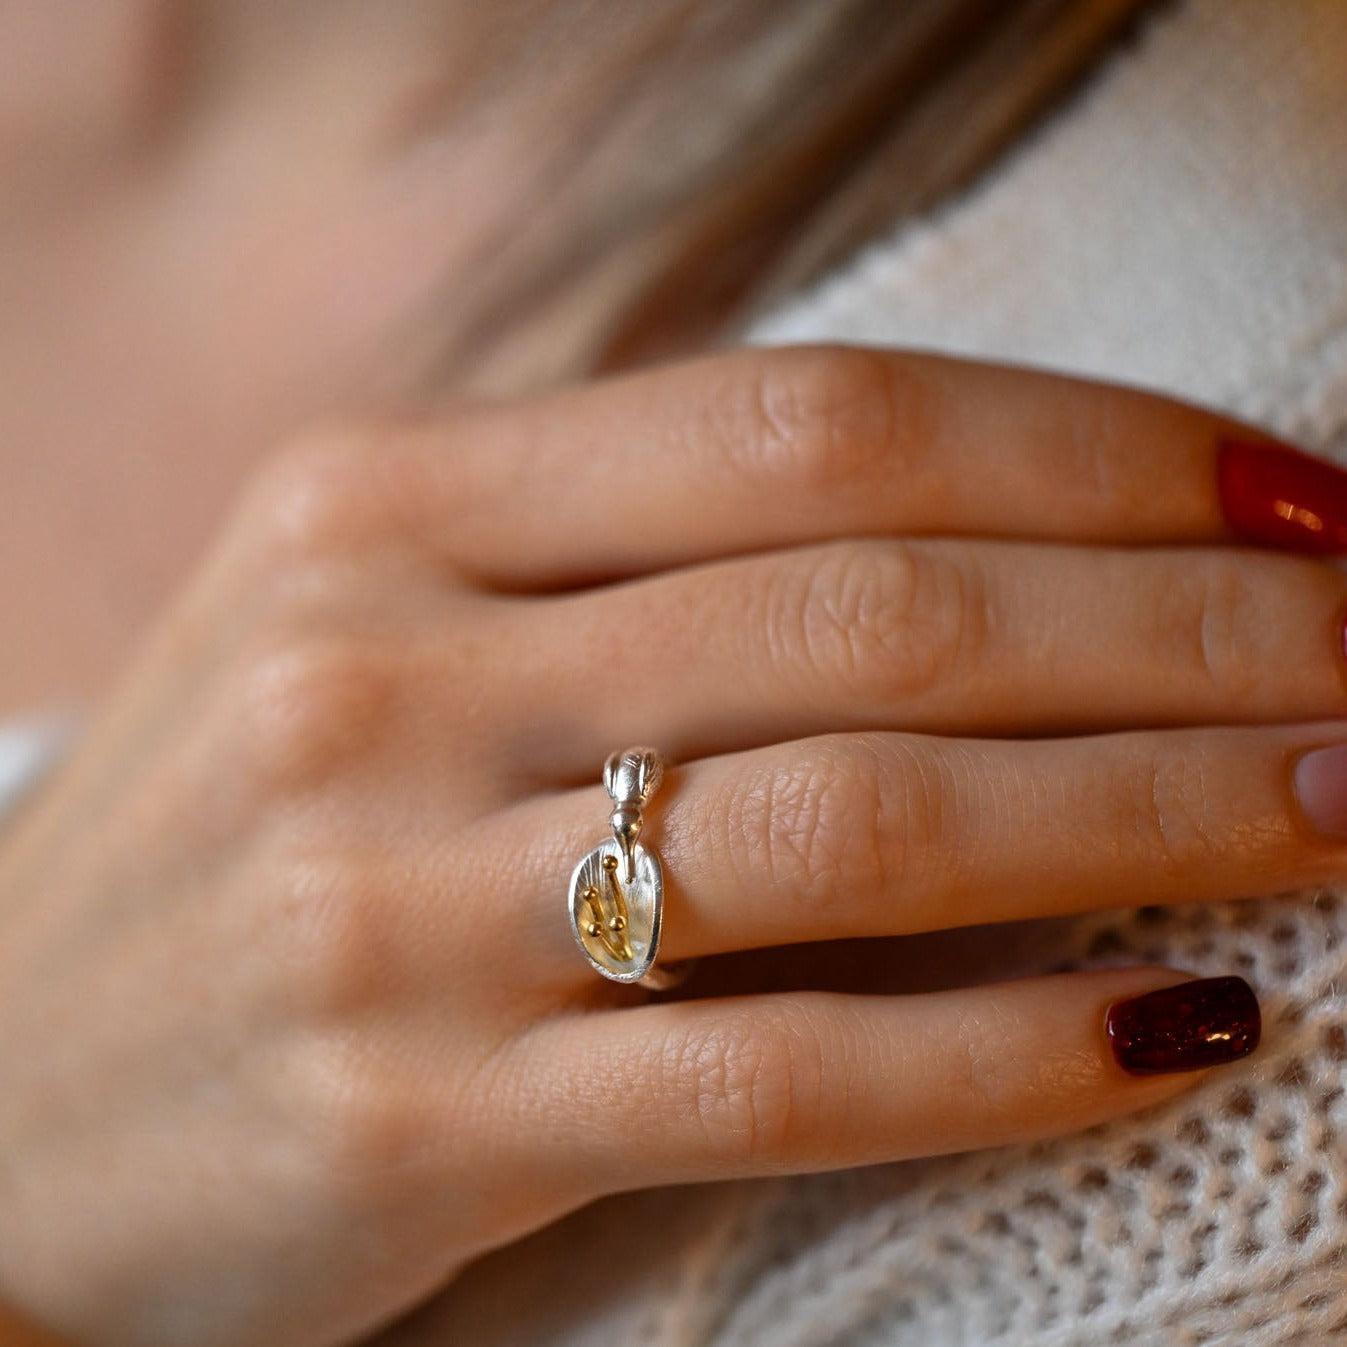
{"points": [[292, 1023], [300, 211]]}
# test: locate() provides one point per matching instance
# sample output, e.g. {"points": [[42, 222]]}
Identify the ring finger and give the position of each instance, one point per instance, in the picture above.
{"points": [[887, 834]]}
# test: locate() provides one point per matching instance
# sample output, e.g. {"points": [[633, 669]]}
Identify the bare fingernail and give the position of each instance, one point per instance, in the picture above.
{"points": [[1206, 1022], [1320, 780]]}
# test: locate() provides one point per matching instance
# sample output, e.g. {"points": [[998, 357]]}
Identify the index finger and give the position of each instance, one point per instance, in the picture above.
{"points": [[773, 447]]}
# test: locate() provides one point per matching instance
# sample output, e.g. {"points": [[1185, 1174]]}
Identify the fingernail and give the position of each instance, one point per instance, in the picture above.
{"points": [[1196, 1024], [1320, 780], [1279, 497]]}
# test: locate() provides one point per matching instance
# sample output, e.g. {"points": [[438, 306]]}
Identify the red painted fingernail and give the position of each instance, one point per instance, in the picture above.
{"points": [[1280, 497], [1197, 1024]]}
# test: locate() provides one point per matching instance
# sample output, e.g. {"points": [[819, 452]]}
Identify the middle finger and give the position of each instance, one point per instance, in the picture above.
{"points": [[879, 834], [938, 636]]}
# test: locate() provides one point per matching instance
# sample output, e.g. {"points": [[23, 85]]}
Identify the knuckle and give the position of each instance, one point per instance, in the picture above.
{"points": [[1092, 448], [818, 824], [890, 621], [751, 1081], [822, 417], [322, 494], [1168, 797], [334, 933], [310, 706], [1218, 610], [1092, 460], [370, 1134], [1211, 612], [1006, 1089]]}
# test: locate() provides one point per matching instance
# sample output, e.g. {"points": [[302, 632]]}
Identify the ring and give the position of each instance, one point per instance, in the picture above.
{"points": [[617, 890]]}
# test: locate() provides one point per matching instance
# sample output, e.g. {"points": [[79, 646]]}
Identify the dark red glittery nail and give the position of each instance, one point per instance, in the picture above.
{"points": [[1196, 1024], [1282, 498]]}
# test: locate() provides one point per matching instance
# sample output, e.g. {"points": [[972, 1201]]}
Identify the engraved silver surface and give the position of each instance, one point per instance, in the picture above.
{"points": [[633, 776], [630, 777]]}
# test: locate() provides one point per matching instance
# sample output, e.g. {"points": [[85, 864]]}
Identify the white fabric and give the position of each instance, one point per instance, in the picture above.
{"points": [[27, 749], [1183, 225]]}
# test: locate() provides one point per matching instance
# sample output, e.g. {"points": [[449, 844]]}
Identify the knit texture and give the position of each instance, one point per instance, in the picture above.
{"points": [[1183, 225]]}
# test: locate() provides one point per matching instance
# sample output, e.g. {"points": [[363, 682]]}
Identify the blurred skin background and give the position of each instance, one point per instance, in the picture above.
{"points": [[223, 219]]}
